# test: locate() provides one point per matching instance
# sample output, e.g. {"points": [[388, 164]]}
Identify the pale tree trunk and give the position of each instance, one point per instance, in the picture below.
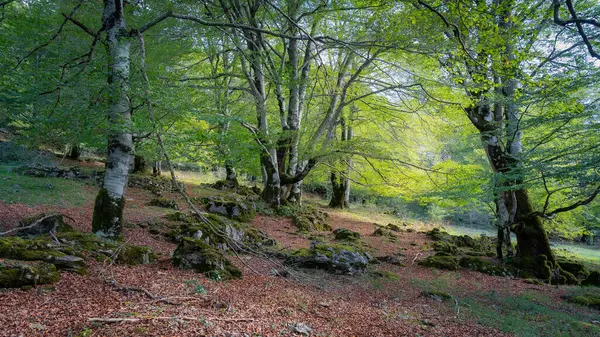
{"points": [[110, 202]]}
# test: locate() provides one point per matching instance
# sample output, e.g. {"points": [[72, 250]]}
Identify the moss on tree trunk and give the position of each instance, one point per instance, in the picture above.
{"points": [[338, 188], [532, 240], [108, 215]]}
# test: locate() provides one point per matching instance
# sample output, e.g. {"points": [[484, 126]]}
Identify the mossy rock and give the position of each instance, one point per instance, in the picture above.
{"points": [[71, 250], [17, 274], [312, 220], [344, 234], [484, 266], [47, 223], [179, 217], [592, 301], [384, 232], [153, 184], [440, 262], [335, 258], [163, 202], [445, 247], [135, 255], [238, 210], [222, 233], [28, 249], [437, 295], [593, 279], [437, 234], [196, 255]]}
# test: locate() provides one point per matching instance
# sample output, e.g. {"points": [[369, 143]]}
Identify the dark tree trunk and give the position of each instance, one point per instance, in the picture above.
{"points": [[532, 239], [74, 152], [231, 174], [156, 168], [139, 164], [272, 190], [338, 189]]}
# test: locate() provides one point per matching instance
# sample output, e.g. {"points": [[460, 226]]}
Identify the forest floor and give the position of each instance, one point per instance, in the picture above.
{"points": [[260, 304]]}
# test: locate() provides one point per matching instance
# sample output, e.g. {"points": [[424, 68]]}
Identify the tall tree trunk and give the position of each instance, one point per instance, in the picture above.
{"points": [[230, 173], [139, 164], [156, 168], [74, 151], [108, 209], [338, 189]]}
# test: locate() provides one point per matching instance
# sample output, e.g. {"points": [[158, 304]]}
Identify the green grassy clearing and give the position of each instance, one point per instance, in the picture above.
{"points": [[43, 191]]}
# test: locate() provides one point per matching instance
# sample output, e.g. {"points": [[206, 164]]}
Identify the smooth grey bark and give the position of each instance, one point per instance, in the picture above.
{"points": [[108, 210]]}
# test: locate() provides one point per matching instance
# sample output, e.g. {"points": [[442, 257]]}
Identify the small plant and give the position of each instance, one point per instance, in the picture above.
{"points": [[214, 275], [197, 287]]}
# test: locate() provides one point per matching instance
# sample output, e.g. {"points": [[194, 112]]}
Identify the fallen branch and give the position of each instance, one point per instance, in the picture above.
{"points": [[37, 222], [181, 318], [457, 308], [415, 259]]}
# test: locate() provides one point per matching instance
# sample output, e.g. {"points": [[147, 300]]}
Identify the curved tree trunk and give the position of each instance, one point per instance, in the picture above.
{"points": [[108, 209]]}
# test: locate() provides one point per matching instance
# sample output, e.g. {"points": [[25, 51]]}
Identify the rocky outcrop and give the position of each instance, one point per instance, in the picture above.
{"points": [[238, 210], [339, 259], [344, 234], [197, 255], [311, 219], [17, 274]]}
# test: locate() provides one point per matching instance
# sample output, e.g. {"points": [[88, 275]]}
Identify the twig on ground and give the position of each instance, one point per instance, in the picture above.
{"points": [[415, 259], [457, 308]]}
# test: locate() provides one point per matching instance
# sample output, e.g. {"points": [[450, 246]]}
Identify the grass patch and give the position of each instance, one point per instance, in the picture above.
{"points": [[43, 191], [587, 255], [530, 314]]}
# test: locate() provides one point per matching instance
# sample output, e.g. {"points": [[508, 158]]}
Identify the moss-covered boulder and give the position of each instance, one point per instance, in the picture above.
{"points": [[437, 234], [344, 234], [163, 202], [311, 219], [238, 210], [486, 266], [440, 262], [179, 217], [135, 255], [43, 224], [71, 250], [222, 233], [335, 258], [445, 247], [384, 232], [16, 274], [195, 254], [154, 184], [540, 267], [593, 279]]}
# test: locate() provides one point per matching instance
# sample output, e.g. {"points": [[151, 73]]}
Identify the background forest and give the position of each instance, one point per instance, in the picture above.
{"points": [[356, 167], [368, 97]]}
